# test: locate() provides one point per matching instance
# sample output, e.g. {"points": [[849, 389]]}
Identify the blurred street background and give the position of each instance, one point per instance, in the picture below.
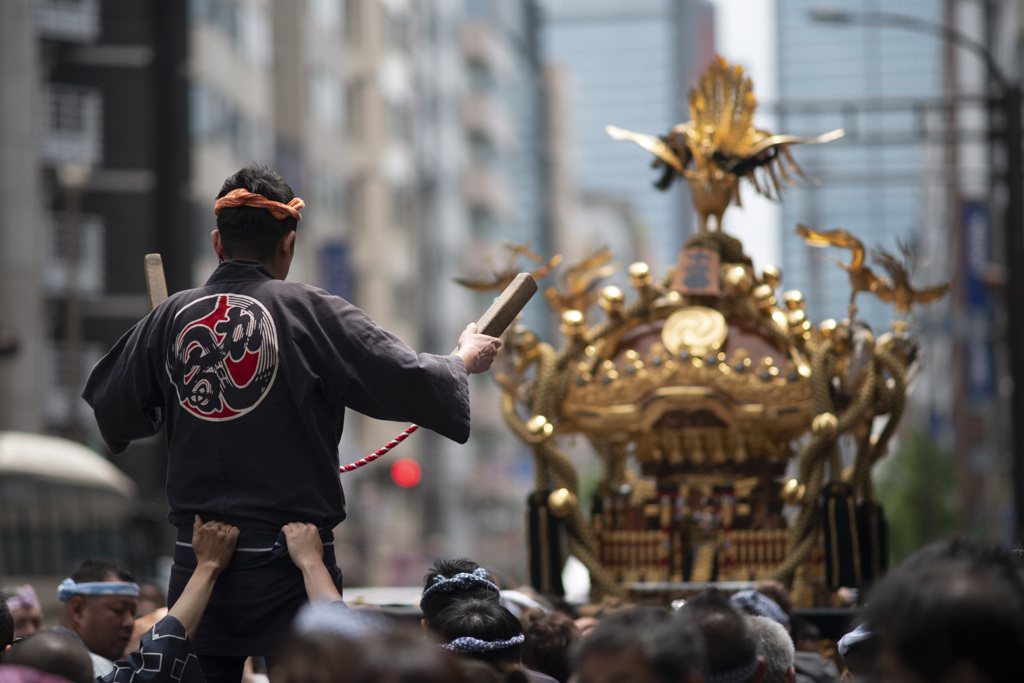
{"points": [[421, 133]]}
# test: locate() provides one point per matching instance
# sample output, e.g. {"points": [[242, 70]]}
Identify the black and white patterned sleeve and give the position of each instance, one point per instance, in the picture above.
{"points": [[165, 654]]}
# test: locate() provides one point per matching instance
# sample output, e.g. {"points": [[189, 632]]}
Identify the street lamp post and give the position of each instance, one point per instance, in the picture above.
{"points": [[1006, 98]]}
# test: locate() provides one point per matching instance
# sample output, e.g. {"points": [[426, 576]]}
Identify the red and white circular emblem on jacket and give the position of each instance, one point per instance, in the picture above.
{"points": [[223, 358]]}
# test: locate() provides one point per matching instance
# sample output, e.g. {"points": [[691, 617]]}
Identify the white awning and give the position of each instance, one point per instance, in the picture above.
{"points": [[56, 459]]}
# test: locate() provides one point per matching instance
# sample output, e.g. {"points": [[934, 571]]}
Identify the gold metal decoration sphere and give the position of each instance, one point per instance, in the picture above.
{"points": [[539, 426], [780, 320], [825, 424], [611, 300], [771, 276], [562, 502], [765, 296], [794, 300], [573, 324], [737, 280], [793, 492], [640, 275], [827, 328], [611, 373]]}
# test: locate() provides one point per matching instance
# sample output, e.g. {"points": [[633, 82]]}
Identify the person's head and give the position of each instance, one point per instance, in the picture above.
{"points": [[6, 628], [728, 638], [100, 600], [255, 233], [150, 598], [25, 608], [806, 635], [641, 645], [482, 672], [451, 580], [958, 615], [776, 647], [758, 604], [55, 653], [859, 649], [778, 593], [548, 637], [480, 629], [391, 657]]}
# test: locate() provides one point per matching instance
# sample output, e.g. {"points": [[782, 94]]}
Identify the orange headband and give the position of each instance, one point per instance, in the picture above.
{"points": [[242, 197]]}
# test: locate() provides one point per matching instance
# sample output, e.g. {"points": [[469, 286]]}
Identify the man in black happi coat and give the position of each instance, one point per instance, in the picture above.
{"points": [[251, 376]]}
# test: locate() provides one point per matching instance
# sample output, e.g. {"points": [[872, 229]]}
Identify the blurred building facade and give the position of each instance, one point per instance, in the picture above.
{"points": [[413, 130], [630, 65], [94, 157], [915, 165]]}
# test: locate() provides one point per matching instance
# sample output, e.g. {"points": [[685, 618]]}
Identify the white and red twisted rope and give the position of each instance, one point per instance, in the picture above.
{"points": [[380, 451]]}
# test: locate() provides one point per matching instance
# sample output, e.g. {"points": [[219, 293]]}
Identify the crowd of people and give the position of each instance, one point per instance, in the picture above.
{"points": [[951, 613]]}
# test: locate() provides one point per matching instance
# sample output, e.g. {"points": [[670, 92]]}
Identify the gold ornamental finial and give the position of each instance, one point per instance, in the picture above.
{"points": [[720, 145]]}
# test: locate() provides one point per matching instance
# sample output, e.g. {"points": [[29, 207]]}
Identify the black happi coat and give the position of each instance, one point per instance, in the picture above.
{"points": [[251, 377]]}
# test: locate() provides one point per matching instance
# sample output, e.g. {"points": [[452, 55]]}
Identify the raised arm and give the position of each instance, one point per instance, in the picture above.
{"points": [[213, 544], [307, 552]]}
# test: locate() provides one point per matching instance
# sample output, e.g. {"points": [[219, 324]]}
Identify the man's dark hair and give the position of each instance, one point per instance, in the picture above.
{"points": [[548, 638], [437, 600], [54, 653], [862, 659], [6, 623], [249, 232], [729, 639], [101, 569], [955, 603], [485, 620], [393, 657], [804, 630], [670, 644]]}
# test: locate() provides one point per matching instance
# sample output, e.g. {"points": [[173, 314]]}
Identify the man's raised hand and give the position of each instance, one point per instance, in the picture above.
{"points": [[213, 543], [307, 551], [304, 544], [476, 350]]}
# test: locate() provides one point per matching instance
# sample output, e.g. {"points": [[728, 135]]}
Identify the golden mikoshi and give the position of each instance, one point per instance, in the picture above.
{"points": [[693, 388]]}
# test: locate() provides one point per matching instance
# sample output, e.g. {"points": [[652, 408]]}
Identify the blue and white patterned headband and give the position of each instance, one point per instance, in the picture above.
{"points": [[741, 674], [68, 588], [761, 605], [467, 644], [479, 577]]}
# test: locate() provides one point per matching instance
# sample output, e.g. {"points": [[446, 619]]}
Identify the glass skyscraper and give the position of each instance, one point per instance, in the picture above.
{"points": [[630, 65]]}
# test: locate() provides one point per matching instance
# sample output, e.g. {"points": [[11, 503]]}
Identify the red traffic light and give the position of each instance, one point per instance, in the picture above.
{"points": [[405, 472]]}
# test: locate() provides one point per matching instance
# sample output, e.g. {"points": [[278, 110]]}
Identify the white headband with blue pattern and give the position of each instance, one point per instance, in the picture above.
{"points": [[68, 588]]}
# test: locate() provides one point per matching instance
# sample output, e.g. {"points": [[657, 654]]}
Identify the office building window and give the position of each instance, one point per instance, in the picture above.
{"points": [[353, 21], [325, 97], [326, 15], [355, 105]]}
